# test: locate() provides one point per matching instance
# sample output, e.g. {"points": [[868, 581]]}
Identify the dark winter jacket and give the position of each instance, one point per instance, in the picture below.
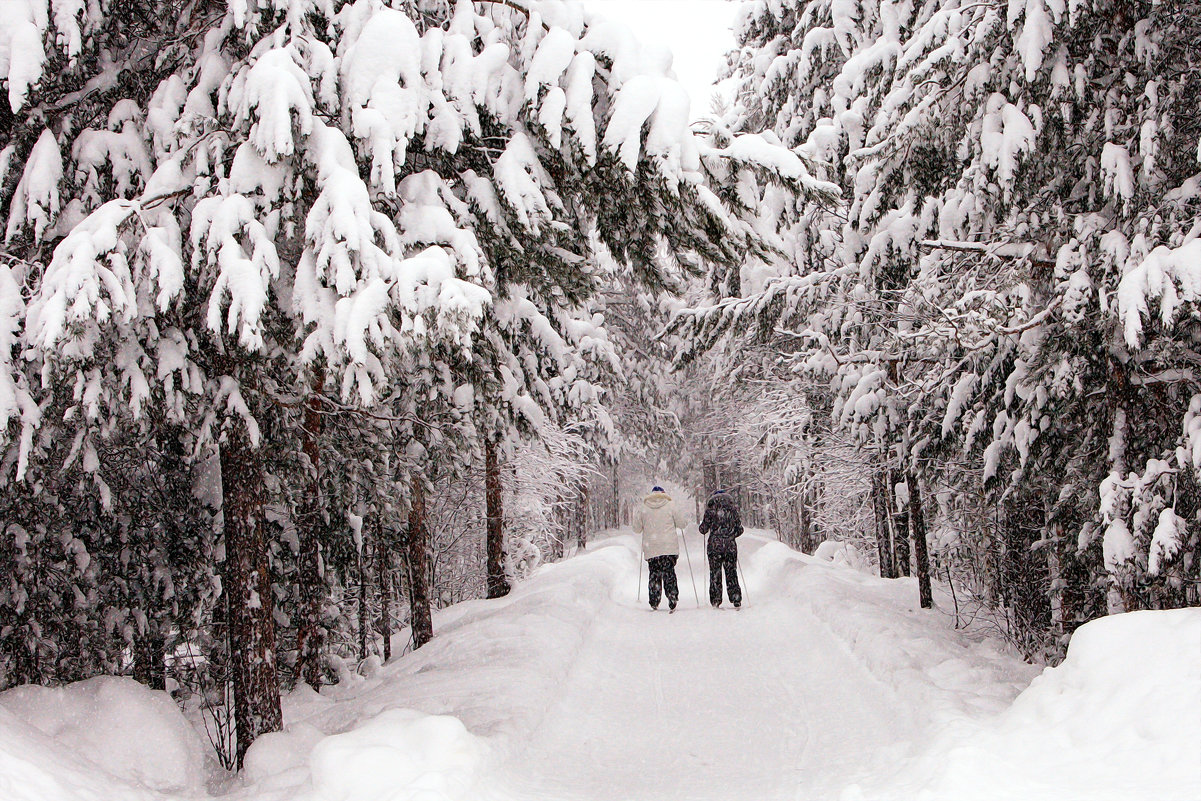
{"points": [[721, 521]]}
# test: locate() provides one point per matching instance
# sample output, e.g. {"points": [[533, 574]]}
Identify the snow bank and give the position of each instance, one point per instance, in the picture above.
{"points": [[400, 755], [943, 675], [107, 724], [840, 553], [429, 724], [280, 760], [1119, 719]]}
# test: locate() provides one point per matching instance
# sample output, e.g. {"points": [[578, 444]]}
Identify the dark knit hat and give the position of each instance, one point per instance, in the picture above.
{"points": [[656, 489]]}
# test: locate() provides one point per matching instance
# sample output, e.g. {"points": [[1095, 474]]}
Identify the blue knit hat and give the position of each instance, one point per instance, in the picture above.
{"points": [[656, 489]]}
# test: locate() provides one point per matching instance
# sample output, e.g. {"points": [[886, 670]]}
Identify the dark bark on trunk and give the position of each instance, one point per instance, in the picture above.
{"points": [[149, 664], [383, 559], [310, 636], [364, 611], [418, 558], [883, 538], [615, 511], [921, 556], [246, 578], [709, 476], [900, 536], [498, 587], [807, 544], [582, 541]]}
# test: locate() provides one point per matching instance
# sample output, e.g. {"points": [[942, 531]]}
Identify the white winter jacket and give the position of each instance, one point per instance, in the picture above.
{"points": [[657, 520]]}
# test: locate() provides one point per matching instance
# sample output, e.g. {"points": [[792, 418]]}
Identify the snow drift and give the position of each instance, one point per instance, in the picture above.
{"points": [[1119, 719], [399, 755], [64, 742]]}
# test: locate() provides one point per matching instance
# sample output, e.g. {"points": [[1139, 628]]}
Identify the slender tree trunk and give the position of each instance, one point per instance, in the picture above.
{"points": [[149, 664], [582, 542], [615, 512], [806, 524], [901, 525], [1118, 597], [364, 612], [1054, 542], [708, 480], [247, 581], [498, 586], [883, 538], [310, 635], [383, 557], [921, 556], [419, 559]]}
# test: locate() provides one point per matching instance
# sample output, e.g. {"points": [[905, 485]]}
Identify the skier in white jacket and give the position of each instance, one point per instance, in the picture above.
{"points": [[657, 520]]}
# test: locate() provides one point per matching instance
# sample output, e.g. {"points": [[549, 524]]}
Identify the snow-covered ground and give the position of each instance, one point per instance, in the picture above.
{"points": [[830, 684]]}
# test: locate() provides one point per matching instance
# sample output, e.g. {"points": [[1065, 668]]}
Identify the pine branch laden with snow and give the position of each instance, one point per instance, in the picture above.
{"points": [[1010, 271], [529, 81], [288, 238]]}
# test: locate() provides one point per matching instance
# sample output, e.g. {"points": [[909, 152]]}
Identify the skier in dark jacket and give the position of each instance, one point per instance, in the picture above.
{"points": [[722, 524]]}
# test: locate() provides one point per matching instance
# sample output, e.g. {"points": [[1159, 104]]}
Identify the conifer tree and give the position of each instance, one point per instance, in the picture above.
{"points": [[1013, 218], [301, 231]]}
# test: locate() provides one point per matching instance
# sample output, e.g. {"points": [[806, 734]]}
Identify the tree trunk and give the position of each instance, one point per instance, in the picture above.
{"points": [[709, 479], [149, 664], [383, 556], [418, 558], [364, 612], [1058, 582], [310, 636], [246, 578], [901, 525], [883, 537], [806, 524], [582, 543], [498, 586], [921, 556], [1118, 596], [615, 512]]}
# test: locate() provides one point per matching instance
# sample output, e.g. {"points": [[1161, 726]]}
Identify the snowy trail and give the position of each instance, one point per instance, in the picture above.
{"points": [[764, 703], [831, 685]]}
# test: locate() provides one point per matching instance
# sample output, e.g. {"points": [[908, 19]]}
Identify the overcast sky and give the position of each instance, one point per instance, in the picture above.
{"points": [[697, 31]]}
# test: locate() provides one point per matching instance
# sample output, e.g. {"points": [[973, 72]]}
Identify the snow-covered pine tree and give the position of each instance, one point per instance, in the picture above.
{"points": [[227, 217], [982, 301]]}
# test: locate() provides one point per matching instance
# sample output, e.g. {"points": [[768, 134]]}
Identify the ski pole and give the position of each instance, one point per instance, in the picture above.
{"points": [[638, 589], [691, 575], [745, 595]]}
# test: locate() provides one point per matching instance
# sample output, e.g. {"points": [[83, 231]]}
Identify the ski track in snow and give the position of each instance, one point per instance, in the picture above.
{"points": [[830, 685], [707, 704]]}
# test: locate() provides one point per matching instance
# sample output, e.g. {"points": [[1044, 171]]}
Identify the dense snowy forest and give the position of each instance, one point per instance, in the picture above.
{"points": [[318, 316]]}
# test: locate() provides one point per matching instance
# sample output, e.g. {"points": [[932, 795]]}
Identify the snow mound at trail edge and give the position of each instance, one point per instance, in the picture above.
{"points": [[840, 553], [122, 728], [1120, 718], [400, 755]]}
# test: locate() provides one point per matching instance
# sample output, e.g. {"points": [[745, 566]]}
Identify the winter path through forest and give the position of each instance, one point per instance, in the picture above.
{"points": [[764, 703], [829, 685]]}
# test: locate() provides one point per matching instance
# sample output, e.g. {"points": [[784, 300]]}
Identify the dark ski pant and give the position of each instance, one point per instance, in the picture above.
{"points": [[662, 579], [723, 556]]}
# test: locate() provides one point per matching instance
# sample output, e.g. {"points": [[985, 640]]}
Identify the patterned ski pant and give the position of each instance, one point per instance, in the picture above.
{"points": [[723, 557], [662, 579]]}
